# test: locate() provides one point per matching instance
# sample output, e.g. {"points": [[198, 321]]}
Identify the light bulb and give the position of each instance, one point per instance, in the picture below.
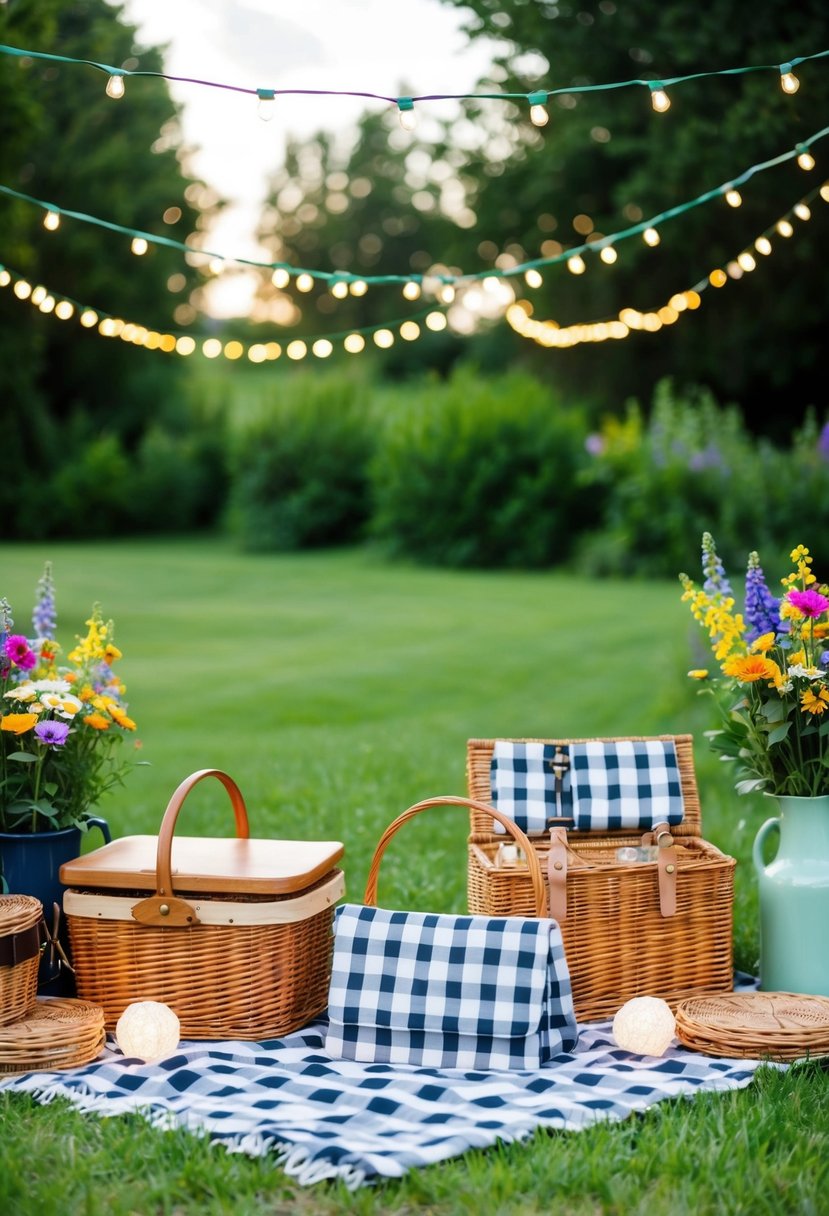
{"points": [[784, 228], [359, 287], [406, 113], [532, 278], [409, 331], [148, 1031], [280, 277], [651, 237], [296, 349], [339, 289], [763, 245], [304, 282], [644, 1026], [539, 116], [802, 211], [51, 220], [660, 99], [322, 348], [115, 87], [575, 264], [383, 338], [446, 294], [139, 246], [608, 255], [354, 343], [718, 278], [436, 321], [746, 261], [733, 197], [824, 192], [267, 104], [806, 161], [411, 290], [788, 81]]}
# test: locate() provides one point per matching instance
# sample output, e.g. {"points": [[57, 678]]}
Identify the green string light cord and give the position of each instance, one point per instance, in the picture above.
{"points": [[535, 96], [346, 277], [368, 331]]}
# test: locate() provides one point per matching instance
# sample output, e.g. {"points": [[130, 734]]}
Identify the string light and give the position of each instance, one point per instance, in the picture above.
{"points": [[538, 109], [763, 245], [354, 343], [802, 211], [651, 237], [788, 81], [51, 221], [281, 275], [608, 255], [139, 246], [339, 289], [659, 98], [267, 104], [784, 228], [576, 265], [296, 349], [411, 291], [115, 86], [304, 282], [532, 278], [406, 113], [805, 160]]}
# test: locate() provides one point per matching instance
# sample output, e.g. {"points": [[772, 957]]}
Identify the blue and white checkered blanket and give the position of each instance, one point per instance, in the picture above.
{"points": [[325, 1118]]}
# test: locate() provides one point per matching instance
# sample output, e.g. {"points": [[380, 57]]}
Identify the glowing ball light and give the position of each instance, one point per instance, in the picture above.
{"points": [[148, 1031], [644, 1026]]}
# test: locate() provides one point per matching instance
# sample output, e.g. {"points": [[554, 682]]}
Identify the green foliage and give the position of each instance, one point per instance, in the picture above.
{"points": [[300, 468], [480, 472]]}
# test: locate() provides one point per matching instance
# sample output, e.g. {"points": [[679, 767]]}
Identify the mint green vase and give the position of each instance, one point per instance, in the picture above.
{"points": [[794, 898]]}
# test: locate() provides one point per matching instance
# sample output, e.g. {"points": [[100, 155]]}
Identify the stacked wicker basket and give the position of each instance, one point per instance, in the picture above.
{"points": [[38, 1033]]}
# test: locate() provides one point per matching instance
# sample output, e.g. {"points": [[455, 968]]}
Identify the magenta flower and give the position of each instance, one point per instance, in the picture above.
{"points": [[52, 734], [20, 652], [810, 603]]}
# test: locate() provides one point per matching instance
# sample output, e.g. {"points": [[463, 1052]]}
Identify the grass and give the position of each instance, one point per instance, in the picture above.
{"points": [[337, 690]]}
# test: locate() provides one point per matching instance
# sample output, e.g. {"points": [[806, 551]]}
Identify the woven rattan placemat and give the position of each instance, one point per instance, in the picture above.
{"points": [[60, 1032], [753, 1025]]}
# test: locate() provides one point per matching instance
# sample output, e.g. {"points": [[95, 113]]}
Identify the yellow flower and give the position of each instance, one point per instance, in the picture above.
{"points": [[18, 724], [111, 653], [121, 718], [699, 673], [798, 659], [97, 721], [815, 703], [763, 643], [750, 668]]}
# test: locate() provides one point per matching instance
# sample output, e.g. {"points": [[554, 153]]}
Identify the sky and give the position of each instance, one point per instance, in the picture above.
{"points": [[389, 47]]}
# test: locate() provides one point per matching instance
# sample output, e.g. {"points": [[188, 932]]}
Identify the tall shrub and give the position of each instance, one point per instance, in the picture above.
{"points": [[482, 472], [299, 469]]}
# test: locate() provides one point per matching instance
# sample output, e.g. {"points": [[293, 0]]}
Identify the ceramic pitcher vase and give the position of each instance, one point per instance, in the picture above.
{"points": [[794, 898]]}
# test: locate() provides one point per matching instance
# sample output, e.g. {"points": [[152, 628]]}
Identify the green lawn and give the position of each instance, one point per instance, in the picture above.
{"points": [[337, 690]]}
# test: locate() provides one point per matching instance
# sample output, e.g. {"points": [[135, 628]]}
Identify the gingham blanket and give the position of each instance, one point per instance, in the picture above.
{"points": [[325, 1118]]}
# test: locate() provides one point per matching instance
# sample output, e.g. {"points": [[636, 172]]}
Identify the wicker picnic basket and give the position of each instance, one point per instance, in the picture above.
{"points": [[659, 928], [235, 935], [58, 1032], [20, 917]]}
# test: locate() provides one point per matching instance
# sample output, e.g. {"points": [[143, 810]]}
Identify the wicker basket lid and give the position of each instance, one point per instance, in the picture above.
{"points": [[753, 1025], [206, 865], [60, 1032]]}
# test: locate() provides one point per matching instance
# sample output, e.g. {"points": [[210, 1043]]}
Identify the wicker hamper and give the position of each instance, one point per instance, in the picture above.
{"points": [[641, 929], [239, 949]]}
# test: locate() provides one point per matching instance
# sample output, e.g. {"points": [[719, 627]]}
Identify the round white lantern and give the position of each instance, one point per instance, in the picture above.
{"points": [[644, 1026], [148, 1031]]}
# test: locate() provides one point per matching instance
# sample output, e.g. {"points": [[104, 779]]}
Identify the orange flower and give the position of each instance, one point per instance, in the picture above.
{"points": [[18, 724], [815, 704], [97, 721], [121, 718], [750, 668]]}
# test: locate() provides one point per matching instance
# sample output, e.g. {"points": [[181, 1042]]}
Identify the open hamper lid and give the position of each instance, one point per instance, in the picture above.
{"points": [[204, 865]]}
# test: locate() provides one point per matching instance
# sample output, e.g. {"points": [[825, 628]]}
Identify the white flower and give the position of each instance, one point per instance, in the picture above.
{"points": [[806, 673], [787, 687], [26, 691], [65, 705], [52, 686]]}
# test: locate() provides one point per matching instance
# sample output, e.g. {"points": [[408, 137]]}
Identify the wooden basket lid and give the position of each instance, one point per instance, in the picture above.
{"points": [[232, 865], [753, 1025], [60, 1032]]}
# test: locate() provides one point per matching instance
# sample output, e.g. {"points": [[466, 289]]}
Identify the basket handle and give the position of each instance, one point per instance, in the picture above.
{"points": [[533, 866], [164, 908]]}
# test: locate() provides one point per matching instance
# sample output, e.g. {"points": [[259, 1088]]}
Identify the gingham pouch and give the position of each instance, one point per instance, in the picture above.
{"points": [[626, 783], [446, 991]]}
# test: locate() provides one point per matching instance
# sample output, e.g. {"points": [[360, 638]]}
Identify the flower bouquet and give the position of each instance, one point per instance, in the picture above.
{"points": [[62, 724], [773, 693]]}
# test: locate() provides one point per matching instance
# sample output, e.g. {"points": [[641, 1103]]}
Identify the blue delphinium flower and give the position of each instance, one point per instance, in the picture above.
{"points": [[716, 582], [762, 609], [44, 617]]}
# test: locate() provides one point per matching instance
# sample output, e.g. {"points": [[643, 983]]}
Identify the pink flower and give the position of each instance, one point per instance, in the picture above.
{"points": [[810, 603], [21, 654]]}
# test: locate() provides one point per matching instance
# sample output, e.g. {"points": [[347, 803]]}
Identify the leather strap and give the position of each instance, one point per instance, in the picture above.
{"points": [[557, 873], [666, 868], [18, 947]]}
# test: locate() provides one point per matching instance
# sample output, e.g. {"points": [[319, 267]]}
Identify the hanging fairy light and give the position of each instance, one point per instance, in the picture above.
{"points": [[805, 160], [763, 245], [339, 289], [788, 81], [659, 98], [296, 349], [51, 221], [575, 264], [267, 104], [411, 290], [353, 344], [304, 282], [115, 86], [608, 255], [733, 197], [139, 246], [538, 109], [532, 278], [280, 277], [651, 237], [406, 113], [802, 211]]}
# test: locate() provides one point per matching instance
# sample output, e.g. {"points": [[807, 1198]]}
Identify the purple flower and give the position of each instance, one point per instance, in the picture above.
{"points": [[595, 444], [44, 617], [716, 582], [52, 734], [824, 659], [810, 603], [823, 442], [762, 609]]}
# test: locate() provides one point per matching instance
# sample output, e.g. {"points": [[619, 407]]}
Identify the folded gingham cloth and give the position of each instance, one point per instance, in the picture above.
{"points": [[523, 785], [448, 991], [625, 783]]}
